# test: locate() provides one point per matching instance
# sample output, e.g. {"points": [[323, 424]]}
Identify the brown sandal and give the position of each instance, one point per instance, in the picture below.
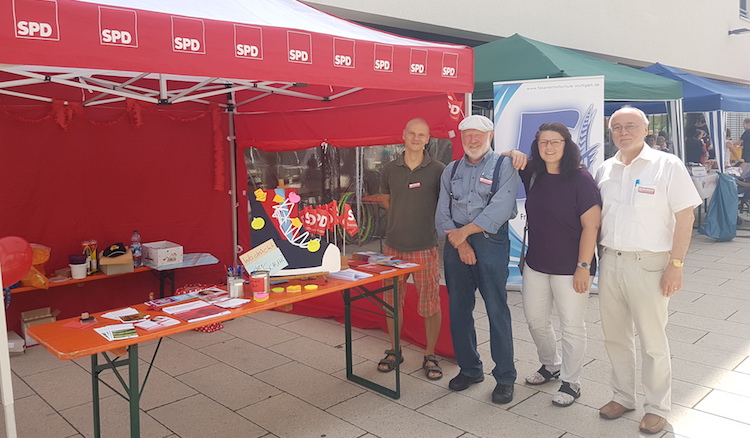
{"points": [[432, 372], [390, 364]]}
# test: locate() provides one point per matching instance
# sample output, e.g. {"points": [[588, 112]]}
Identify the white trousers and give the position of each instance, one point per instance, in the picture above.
{"points": [[630, 297], [542, 291]]}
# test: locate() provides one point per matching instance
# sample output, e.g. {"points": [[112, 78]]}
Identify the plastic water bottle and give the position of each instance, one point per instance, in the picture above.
{"points": [[135, 247]]}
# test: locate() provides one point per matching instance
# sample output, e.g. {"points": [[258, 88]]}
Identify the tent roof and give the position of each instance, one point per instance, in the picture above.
{"points": [[702, 94], [238, 44], [519, 58]]}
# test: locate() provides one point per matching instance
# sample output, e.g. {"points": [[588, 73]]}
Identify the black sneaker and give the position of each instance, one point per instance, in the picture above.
{"points": [[462, 381], [502, 394]]}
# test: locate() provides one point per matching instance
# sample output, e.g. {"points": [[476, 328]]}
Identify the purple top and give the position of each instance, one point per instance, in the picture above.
{"points": [[554, 206]]}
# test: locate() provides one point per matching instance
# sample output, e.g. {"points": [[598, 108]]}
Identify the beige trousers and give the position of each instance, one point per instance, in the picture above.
{"points": [[630, 297]]}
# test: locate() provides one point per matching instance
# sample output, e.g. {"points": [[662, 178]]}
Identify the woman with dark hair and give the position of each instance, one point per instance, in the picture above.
{"points": [[563, 209]]}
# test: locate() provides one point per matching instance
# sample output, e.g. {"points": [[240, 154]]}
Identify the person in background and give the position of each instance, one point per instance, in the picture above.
{"points": [[477, 198], [647, 222], [744, 141], [651, 141], [563, 210], [661, 144], [733, 153], [695, 150], [410, 186], [700, 123]]}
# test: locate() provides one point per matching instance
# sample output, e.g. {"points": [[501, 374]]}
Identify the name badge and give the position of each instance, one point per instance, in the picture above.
{"points": [[415, 185], [646, 190], [485, 181]]}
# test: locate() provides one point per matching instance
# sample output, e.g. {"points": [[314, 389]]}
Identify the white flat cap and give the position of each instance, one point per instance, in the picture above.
{"points": [[480, 123]]}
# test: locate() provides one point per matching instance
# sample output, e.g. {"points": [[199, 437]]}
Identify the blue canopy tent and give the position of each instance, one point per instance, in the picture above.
{"points": [[700, 94]]}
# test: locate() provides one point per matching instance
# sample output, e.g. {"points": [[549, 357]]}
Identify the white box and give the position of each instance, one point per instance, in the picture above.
{"points": [[163, 252], [15, 343], [34, 317]]}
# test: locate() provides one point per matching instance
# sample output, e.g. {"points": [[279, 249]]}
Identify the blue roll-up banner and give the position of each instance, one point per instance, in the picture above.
{"points": [[522, 106]]}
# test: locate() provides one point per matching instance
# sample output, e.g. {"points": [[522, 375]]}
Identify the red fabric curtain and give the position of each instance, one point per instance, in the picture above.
{"points": [[70, 174]]}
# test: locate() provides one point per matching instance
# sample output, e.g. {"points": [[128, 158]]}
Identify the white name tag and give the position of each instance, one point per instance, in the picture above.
{"points": [[415, 185], [485, 181]]}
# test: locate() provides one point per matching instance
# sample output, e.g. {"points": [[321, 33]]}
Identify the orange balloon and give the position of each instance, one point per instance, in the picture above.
{"points": [[15, 258]]}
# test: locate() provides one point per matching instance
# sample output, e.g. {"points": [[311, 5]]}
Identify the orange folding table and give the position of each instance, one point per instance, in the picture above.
{"points": [[68, 342]]}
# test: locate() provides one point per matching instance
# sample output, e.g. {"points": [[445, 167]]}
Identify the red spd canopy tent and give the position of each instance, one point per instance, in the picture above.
{"points": [[121, 114]]}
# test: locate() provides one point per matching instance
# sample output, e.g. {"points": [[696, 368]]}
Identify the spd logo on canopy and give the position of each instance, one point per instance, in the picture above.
{"points": [[188, 35], [34, 19], [118, 27]]}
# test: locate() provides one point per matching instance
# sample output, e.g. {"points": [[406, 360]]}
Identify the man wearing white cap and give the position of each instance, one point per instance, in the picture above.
{"points": [[477, 198]]}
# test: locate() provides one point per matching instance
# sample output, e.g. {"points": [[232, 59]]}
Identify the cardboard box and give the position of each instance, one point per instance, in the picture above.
{"points": [[31, 318], [116, 265], [15, 343], [161, 253]]}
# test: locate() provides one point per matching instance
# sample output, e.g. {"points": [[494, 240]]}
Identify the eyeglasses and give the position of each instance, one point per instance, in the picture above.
{"points": [[630, 127], [553, 143]]}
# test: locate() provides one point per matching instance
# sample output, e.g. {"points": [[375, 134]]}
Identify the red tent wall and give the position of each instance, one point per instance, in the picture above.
{"points": [[69, 174]]}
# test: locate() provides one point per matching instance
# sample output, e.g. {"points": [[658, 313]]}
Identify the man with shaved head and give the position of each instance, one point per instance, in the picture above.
{"points": [[410, 186]]}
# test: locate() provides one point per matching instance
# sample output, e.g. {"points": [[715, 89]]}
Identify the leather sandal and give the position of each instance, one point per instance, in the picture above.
{"points": [[542, 376], [432, 372], [387, 365]]}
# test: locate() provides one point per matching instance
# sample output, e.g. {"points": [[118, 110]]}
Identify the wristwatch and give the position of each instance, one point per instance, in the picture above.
{"points": [[677, 263], [583, 265]]}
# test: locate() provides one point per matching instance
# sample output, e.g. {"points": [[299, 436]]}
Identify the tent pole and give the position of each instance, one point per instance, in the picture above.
{"points": [[233, 172], [5, 377]]}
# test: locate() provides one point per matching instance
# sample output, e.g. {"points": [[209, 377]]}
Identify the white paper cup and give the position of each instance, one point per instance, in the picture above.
{"points": [[78, 271]]}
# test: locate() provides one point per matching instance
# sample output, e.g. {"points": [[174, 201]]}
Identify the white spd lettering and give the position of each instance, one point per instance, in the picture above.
{"points": [[449, 71], [116, 36], [298, 55], [382, 64], [417, 68], [191, 44], [245, 50], [342, 60], [33, 28]]}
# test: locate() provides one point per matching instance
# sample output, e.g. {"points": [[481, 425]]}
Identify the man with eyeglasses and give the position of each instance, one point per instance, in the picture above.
{"points": [[647, 221]]}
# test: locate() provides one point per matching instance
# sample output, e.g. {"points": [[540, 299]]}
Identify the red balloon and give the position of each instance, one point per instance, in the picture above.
{"points": [[16, 256]]}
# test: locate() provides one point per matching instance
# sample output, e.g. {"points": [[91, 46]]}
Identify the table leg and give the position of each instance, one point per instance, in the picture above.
{"points": [[134, 392], [389, 312], [95, 395]]}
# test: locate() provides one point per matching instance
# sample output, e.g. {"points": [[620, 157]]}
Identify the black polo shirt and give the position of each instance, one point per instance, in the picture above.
{"points": [[413, 198]]}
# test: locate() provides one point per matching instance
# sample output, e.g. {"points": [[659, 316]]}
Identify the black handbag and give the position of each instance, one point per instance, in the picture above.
{"points": [[522, 258]]}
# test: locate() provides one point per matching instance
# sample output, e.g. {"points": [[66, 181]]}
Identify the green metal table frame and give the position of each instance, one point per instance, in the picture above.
{"points": [[132, 389], [389, 311]]}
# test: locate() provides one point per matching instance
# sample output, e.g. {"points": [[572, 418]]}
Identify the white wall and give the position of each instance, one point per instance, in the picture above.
{"points": [[687, 34]]}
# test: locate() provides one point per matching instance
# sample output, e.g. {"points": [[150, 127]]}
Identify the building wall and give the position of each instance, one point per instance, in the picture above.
{"points": [[688, 34]]}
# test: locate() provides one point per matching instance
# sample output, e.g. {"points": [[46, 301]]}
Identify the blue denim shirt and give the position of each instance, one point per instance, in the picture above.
{"points": [[471, 190]]}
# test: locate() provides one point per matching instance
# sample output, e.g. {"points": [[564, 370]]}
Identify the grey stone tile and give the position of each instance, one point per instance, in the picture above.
{"points": [[64, 387], [726, 405], [228, 386], [710, 324], [36, 359], [482, 419], [744, 367], [723, 342], [692, 423], [274, 317], [258, 332], [35, 418], [175, 358], [309, 421], [320, 356], [368, 412], [201, 417], [705, 355], [244, 356], [196, 339], [20, 388], [319, 330], [115, 420], [308, 384], [578, 418]]}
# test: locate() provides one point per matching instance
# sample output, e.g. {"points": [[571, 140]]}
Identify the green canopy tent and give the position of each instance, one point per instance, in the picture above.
{"points": [[519, 58]]}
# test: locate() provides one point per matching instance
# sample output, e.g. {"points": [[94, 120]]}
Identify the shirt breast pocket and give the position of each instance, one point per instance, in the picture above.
{"points": [[645, 195]]}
